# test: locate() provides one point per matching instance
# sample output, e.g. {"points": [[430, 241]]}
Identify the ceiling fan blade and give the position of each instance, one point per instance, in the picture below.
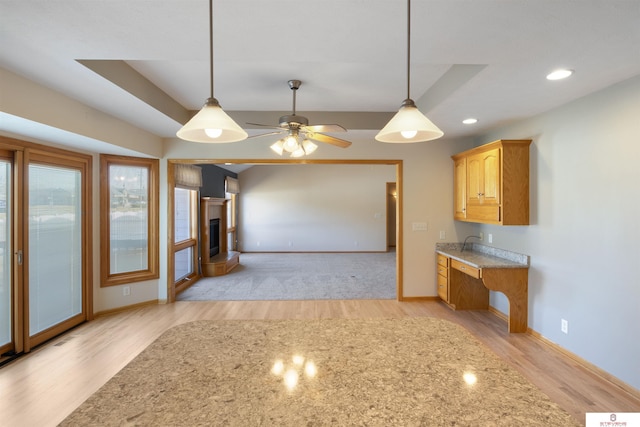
{"points": [[265, 134], [265, 126], [329, 140], [324, 128]]}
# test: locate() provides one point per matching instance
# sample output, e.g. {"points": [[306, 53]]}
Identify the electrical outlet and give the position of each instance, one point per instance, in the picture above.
{"points": [[564, 326], [490, 238], [126, 291], [443, 235]]}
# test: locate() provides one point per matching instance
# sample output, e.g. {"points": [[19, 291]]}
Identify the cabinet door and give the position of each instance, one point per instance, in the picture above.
{"points": [[483, 178], [459, 189], [474, 179], [491, 177]]}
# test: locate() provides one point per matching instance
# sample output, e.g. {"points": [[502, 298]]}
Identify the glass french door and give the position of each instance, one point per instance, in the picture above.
{"points": [[55, 246], [45, 246]]}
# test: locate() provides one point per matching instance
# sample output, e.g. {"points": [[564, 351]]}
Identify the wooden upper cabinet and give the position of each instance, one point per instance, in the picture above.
{"points": [[496, 183], [483, 178]]}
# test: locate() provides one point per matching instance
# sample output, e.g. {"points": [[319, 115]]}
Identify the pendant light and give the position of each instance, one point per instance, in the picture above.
{"points": [[211, 124], [409, 124]]}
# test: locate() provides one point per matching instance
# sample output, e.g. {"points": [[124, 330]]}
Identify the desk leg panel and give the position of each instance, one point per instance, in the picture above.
{"points": [[513, 282]]}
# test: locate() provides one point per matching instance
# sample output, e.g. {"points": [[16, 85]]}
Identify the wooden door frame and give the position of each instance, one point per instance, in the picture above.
{"points": [[389, 196]]}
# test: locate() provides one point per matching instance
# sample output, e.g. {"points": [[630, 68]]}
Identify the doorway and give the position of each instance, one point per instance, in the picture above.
{"points": [[171, 290]]}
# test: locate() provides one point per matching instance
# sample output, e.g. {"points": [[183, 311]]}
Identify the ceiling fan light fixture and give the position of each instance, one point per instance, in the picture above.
{"points": [[308, 146], [278, 147], [291, 143], [299, 152], [409, 125], [211, 124]]}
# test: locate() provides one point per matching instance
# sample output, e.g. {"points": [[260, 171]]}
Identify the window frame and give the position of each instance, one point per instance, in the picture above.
{"points": [[153, 255]]}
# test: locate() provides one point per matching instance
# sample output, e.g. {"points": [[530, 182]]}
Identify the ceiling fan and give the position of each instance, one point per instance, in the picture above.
{"points": [[299, 133]]}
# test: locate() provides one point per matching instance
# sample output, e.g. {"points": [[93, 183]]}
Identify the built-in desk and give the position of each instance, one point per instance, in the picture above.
{"points": [[465, 278]]}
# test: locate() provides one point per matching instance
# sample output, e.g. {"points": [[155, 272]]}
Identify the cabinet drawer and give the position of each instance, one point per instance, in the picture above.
{"points": [[465, 268], [443, 261], [443, 288], [443, 271]]}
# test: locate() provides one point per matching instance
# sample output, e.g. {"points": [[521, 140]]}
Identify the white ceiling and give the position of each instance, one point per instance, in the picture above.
{"points": [[349, 54]]}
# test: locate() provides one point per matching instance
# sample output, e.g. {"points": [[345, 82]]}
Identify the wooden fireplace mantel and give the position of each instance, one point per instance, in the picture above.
{"points": [[224, 261]]}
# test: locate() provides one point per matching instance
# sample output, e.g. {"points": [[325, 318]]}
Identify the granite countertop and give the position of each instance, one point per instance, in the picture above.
{"points": [[482, 256]]}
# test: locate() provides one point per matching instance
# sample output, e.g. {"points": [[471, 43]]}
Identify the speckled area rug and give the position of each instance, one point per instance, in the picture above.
{"points": [[342, 372]]}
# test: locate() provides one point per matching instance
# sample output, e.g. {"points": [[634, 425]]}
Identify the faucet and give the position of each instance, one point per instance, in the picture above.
{"points": [[467, 238]]}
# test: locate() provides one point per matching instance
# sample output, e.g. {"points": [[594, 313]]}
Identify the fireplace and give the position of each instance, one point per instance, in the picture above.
{"points": [[214, 237]]}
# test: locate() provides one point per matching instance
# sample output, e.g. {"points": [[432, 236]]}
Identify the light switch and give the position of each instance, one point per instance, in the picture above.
{"points": [[419, 226]]}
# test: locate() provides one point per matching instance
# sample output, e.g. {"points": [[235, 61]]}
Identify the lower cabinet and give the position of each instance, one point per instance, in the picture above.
{"points": [[460, 285], [443, 277]]}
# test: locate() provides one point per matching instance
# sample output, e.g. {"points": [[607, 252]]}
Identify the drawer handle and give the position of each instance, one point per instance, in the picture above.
{"points": [[462, 268]]}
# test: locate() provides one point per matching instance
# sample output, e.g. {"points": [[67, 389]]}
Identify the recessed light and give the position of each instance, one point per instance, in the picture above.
{"points": [[559, 74], [470, 121]]}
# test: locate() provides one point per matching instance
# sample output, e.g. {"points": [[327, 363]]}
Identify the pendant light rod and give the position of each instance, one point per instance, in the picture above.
{"points": [[294, 85], [295, 89], [408, 49], [211, 46]]}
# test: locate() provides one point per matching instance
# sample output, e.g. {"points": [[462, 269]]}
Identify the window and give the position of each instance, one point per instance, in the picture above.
{"points": [[128, 219], [185, 234]]}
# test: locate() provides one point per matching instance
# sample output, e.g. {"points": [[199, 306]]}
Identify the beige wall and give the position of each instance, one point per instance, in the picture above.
{"points": [[314, 208]]}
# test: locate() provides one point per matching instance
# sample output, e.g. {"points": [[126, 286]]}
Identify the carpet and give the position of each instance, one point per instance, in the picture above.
{"points": [[343, 372], [301, 276]]}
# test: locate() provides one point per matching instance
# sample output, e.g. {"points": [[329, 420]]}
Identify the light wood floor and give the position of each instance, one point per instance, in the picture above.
{"points": [[42, 388]]}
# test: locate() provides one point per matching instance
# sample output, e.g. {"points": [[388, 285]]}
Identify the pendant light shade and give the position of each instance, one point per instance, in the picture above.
{"points": [[211, 124], [409, 124]]}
